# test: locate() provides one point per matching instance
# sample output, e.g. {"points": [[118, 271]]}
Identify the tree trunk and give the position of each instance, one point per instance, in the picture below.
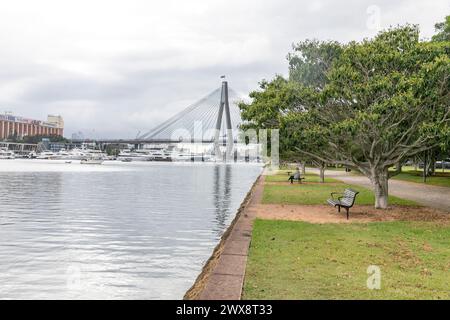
{"points": [[398, 167], [322, 172], [433, 164], [380, 187], [303, 166], [425, 165]]}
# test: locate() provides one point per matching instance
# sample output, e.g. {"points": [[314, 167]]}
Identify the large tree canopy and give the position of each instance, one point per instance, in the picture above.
{"points": [[368, 105], [387, 99]]}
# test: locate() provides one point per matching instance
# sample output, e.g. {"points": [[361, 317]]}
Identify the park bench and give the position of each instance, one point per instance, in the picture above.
{"points": [[347, 200], [299, 179]]}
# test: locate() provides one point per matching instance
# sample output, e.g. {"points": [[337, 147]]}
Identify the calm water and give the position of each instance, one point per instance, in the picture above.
{"points": [[115, 231]]}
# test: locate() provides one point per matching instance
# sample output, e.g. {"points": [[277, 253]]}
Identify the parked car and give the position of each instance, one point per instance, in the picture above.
{"points": [[443, 164], [439, 164]]}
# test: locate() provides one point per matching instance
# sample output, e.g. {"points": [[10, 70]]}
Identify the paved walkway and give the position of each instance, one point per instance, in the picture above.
{"points": [[428, 195], [227, 277]]}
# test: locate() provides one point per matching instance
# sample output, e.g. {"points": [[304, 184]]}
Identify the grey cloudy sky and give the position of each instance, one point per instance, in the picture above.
{"points": [[112, 68]]}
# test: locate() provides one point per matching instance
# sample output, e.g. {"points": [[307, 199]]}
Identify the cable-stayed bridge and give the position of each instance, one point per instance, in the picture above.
{"points": [[209, 127], [208, 114], [213, 119]]}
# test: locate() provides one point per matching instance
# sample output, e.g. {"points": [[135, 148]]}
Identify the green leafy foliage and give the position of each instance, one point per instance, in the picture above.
{"points": [[443, 30], [310, 61], [368, 105]]}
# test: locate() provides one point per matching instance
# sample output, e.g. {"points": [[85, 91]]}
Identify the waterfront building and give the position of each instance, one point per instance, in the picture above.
{"points": [[15, 126]]}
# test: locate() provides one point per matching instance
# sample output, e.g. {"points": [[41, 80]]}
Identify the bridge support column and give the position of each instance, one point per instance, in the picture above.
{"points": [[224, 106]]}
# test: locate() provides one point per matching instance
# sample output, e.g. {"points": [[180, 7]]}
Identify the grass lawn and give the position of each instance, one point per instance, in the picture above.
{"points": [[440, 179], [316, 193], [282, 176], [299, 260], [412, 168]]}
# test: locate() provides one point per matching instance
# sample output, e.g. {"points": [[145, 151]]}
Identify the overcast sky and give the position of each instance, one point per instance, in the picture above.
{"points": [[114, 67]]}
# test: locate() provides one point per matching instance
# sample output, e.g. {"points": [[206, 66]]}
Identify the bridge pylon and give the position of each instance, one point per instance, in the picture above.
{"points": [[224, 106]]}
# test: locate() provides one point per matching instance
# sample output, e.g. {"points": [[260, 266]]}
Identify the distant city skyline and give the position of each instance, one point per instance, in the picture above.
{"points": [[114, 68]]}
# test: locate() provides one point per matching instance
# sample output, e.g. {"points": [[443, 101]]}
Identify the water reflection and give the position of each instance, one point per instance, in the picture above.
{"points": [[222, 195]]}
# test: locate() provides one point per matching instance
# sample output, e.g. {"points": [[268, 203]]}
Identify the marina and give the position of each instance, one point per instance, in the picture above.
{"points": [[170, 154]]}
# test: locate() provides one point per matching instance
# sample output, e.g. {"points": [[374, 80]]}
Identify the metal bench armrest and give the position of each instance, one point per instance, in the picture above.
{"points": [[332, 197]]}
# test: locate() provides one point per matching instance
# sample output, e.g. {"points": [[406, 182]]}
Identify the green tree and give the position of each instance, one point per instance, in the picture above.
{"points": [[311, 60], [443, 30], [294, 141], [38, 138], [112, 150], [269, 104], [387, 99], [309, 65], [429, 157]]}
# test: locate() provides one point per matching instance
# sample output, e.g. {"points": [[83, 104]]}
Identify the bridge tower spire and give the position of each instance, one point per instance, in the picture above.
{"points": [[224, 106]]}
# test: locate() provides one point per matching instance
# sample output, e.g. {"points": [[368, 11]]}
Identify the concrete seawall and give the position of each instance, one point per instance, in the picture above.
{"points": [[223, 274]]}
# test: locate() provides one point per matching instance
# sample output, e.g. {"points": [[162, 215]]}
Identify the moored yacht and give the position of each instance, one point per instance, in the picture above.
{"points": [[6, 154], [94, 153], [91, 161], [161, 156], [74, 154], [48, 155], [137, 155]]}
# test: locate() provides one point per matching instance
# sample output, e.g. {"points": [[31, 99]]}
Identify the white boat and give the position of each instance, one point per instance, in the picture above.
{"points": [[161, 156], [6, 154], [91, 161], [197, 157], [182, 157], [74, 154], [79, 154], [158, 153], [138, 155], [48, 155], [93, 153]]}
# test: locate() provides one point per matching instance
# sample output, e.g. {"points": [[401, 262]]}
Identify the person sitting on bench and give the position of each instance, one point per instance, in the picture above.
{"points": [[296, 176]]}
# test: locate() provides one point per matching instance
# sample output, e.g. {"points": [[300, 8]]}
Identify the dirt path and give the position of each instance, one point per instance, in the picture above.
{"points": [[358, 214], [428, 195]]}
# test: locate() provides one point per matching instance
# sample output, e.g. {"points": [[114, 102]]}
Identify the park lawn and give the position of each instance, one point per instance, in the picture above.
{"points": [[282, 176], [440, 179], [299, 260], [412, 168], [317, 193]]}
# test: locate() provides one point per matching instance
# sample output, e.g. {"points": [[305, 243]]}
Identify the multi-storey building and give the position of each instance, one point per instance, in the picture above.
{"points": [[14, 126]]}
